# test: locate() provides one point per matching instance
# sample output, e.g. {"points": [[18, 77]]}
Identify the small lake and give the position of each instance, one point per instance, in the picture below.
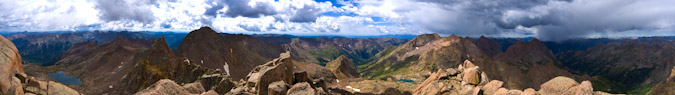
{"points": [[65, 79], [405, 80]]}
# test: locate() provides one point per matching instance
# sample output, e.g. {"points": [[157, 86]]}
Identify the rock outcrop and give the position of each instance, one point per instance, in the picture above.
{"points": [[168, 87], [301, 89], [666, 87], [343, 68], [164, 87], [280, 69], [159, 62], [10, 66], [452, 81]]}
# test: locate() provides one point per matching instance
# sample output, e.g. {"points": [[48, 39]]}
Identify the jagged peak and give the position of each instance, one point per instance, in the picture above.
{"points": [[482, 38], [204, 29], [421, 40], [160, 45], [535, 40]]}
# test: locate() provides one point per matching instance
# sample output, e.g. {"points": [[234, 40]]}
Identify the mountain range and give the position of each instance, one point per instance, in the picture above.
{"points": [[204, 61]]}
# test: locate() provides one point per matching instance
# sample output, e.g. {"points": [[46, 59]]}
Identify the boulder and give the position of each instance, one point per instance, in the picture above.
{"points": [[55, 88], [514, 92], [529, 91], [280, 69], [468, 64], [35, 86], [210, 92], [557, 85], [585, 88], [343, 68], [500, 91], [164, 87], [301, 76], [301, 89], [428, 86], [277, 88], [194, 88], [471, 75], [492, 86], [217, 82]]}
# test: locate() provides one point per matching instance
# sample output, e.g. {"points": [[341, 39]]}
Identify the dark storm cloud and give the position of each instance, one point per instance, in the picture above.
{"points": [[552, 19], [241, 8], [213, 10], [115, 10], [306, 14]]}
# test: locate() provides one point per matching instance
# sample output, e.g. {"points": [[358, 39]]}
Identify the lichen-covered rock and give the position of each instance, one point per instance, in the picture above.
{"points": [[301, 89]]}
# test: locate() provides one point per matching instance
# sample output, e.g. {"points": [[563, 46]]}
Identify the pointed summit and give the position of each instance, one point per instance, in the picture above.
{"points": [[343, 68], [214, 51], [490, 47], [160, 46]]}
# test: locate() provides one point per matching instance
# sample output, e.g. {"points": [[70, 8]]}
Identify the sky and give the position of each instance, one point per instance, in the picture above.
{"points": [[543, 19]]}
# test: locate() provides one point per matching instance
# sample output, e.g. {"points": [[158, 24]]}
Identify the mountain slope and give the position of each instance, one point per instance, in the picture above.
{"points": [[239, 52], [108, 62], [628, 66], [425, 53]]}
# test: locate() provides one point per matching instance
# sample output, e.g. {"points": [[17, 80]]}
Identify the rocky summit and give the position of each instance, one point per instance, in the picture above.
{"points": [[463, 81]]}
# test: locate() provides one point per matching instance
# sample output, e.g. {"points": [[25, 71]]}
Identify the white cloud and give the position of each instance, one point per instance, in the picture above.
{"points": [[548, 19]]}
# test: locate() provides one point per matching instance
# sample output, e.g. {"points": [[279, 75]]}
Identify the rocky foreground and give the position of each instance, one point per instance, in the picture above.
{"points": [[467, 79], [13, 81]]}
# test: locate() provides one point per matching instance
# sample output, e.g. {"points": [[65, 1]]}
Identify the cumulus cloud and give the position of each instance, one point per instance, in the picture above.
{"points": [[306, 14], [544, 19], [136, 10]]}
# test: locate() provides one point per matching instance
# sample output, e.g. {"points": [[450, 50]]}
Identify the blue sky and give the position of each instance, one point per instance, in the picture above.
{"points": [[544, 19]]}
